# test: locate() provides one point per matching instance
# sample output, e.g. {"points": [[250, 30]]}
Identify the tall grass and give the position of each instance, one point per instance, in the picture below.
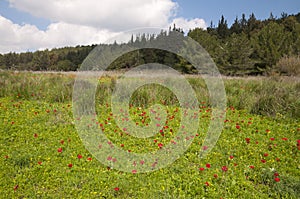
{"points": [[270, 96]]}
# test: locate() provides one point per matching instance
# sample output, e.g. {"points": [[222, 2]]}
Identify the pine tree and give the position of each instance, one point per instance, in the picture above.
{"points": [[222, 28], [235, 27]]}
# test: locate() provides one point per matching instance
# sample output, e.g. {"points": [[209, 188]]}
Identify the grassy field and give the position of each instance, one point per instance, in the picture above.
{"points": [[256, 156]]}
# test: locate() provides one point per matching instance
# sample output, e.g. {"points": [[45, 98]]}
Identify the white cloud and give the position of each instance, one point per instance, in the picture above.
{"points": [[186, 24], [28, 37], [77, 22], [114, 15]]}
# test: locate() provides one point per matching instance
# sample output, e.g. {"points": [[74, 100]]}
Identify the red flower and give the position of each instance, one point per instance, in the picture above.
{"points": [[231, 157], [160, 145], [285, 139], [70, 165], [133, 171], [237, 126], [142, 162], [263, 160], [39, 162], [276, 174], [206, 183], [277, 179], [266, 154], [215, 175], [201, 169], [16, 187], [59, 150], [35, 135], [251, 167], [205, 148], [224, 168], [272, 139], [62, 141], [116, 188], [122, 145], [247, 140], [79, 156], [268, 131], [109, 158], [6, 156], [89, 159], [207, 165]]}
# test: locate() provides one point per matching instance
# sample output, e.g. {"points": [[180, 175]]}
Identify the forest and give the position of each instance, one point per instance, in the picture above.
{"points": [[248, 47]]}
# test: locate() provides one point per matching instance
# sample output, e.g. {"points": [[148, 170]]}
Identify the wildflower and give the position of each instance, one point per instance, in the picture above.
{"points": [[277, 179], [160, 145], [59, 150], [247, 140], [224, 168]]}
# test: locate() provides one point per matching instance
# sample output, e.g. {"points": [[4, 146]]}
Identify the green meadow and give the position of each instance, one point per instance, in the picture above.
{"points": [[42, 155]]}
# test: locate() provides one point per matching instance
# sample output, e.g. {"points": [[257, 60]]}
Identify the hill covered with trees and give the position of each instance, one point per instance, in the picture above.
{"points": [[248, 47]]}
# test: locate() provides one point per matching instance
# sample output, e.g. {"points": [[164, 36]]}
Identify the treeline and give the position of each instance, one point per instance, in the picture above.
{"points": [[248, 47], [251, 46], [61, 59]]}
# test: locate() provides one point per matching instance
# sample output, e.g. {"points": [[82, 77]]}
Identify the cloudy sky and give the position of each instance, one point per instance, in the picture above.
{"points": [[27, 25]]}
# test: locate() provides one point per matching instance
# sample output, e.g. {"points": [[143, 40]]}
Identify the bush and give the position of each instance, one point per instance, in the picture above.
{"points": [[289, 65]]}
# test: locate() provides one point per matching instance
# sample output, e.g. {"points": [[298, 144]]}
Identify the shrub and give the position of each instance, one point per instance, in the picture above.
{"points": [[289, 65]]}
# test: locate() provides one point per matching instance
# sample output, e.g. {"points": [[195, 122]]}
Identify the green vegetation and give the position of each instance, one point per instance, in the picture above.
{"points": [[249, 47], [262, 95], [256, 156], [41, 155]]}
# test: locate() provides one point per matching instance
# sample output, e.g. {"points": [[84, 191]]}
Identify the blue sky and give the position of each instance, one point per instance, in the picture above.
{"points": [[21, 17], [212, 10], [39, 24]]}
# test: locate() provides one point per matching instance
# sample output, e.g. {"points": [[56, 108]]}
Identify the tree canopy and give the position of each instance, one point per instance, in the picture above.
{"points": [[248, 47]]}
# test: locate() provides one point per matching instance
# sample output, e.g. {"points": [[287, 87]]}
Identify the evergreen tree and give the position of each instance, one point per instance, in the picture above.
{"points": [[222, 28], [236, 27], [271, 43]]}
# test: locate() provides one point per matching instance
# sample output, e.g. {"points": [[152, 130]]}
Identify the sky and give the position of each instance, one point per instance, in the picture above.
{"points": [[29, 25]]}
